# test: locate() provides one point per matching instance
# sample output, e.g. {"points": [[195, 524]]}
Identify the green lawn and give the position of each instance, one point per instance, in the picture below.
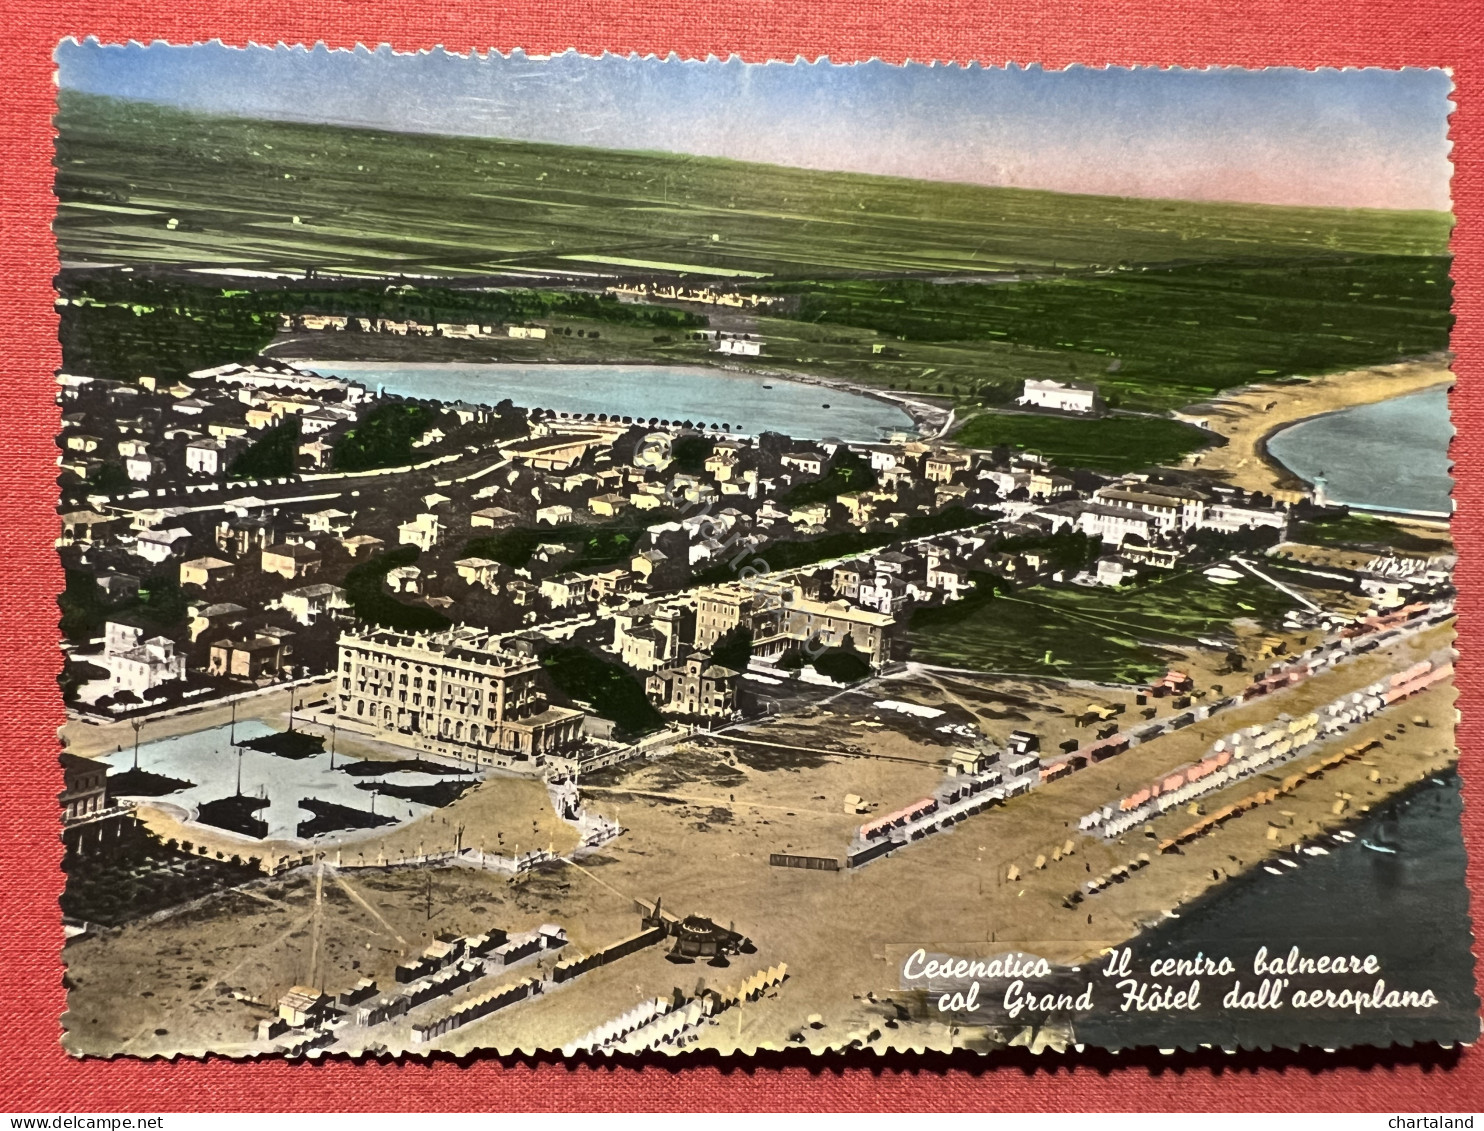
{"points": [[1108, 443], [1361, 531], [1107, 635]]}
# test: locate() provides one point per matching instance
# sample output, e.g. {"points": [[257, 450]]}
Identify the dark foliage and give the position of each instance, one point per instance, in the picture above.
{"points": [[274, 455], [383, 437], [848, 471], [374, 605], [690, 452], [733, 648], [615, 691]]}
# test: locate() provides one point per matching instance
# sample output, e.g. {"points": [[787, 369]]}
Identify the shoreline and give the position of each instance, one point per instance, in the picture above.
{"points": [[1249, 417], [929, 419], [1286, 475]]}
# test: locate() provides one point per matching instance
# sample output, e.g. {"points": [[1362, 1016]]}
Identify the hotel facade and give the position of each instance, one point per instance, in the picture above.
{"points": [[457, 693]]}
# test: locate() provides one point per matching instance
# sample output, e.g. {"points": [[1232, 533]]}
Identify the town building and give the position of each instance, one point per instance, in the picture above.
{"points": [[493, 518], [211, 456], [1061, 396], [362, 544], [141, 469], [695, 687], [1170, 507], [809, 463], [262, 657], [309, 603], [425, 531], [558, 515], [135, 663], [292, 562], [85, 527], [205, 571], [84, 787], [480, 571], [457, 693], [157, 546], [647, 637], [739, 346], [941, 467], [779, 616]]}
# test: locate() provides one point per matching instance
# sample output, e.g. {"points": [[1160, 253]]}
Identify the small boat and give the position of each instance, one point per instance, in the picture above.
{"points": [[1378, 847], [1271, 869], [1315, 850], [824, 406], [767, 386], [1287, 863]]}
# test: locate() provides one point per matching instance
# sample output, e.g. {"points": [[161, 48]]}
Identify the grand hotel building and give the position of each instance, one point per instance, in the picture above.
{"points": [[456, 693]]}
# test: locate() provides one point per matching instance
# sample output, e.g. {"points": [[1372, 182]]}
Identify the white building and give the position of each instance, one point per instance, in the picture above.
{"points": [[210, 456], [455, 693], [739, 346], [557, 515], [307, 604], [156, 546], [143, 468], [1062, 396], [136, 664], [1229, 518], [424, 532]]}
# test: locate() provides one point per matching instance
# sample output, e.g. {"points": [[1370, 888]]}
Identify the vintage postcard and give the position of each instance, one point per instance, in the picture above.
{"points": [[619, 555]]}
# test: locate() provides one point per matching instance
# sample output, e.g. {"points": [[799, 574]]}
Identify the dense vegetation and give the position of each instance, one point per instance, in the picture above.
{"points": [[374, 605], [126, 326], [139, 876], [1161, 336], [847, 472], [273, 455], [383, 437], [690, 452], [140, 334], [594, 545], [733, 648], [791, 555], [160, 603], [1107, 443], [614, 690], [843, 664], [983, 588]]}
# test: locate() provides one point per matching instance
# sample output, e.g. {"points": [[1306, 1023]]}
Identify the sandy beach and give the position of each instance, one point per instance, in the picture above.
{"points": [[1247, 417]]}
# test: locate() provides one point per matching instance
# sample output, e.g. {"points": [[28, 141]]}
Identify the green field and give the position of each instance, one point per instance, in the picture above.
{"points": [[144, 184], [927, 287], [1108, 443], [1165, 336], [1108, 635], [1363, 532]]}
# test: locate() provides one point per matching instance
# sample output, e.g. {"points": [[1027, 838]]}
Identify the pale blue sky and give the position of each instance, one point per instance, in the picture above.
{"points": [[1356, 138]]}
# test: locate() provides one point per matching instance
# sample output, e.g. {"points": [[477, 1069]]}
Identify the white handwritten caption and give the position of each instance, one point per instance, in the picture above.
{"points": [[1293, 981]]}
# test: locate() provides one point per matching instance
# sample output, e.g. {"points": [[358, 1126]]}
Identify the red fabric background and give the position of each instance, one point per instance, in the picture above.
{"points": [[35, 1074]]}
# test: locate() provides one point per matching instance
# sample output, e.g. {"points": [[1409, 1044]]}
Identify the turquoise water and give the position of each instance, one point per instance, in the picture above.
{"points": [[1391, 456], [749, 404]]}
